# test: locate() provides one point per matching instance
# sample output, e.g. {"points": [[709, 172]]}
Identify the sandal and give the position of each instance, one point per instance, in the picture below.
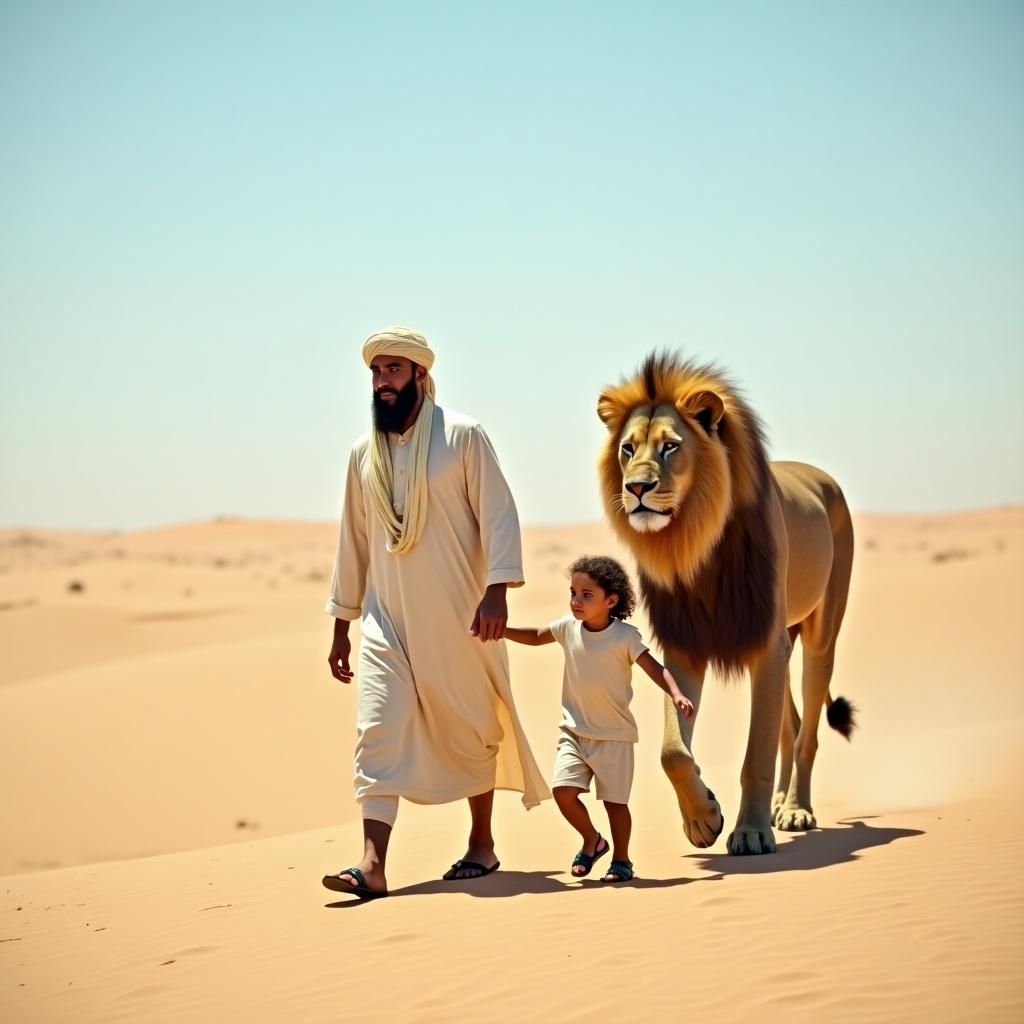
{"points": [[468, 865], [622, 869], [338, 884], [586, 860]]}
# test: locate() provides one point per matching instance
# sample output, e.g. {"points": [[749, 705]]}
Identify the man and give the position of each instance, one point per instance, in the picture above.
{"points": [[429, 542]]}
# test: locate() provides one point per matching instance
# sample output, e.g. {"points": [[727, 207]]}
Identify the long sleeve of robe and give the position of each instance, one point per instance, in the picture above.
{"points": [[436, 717]]}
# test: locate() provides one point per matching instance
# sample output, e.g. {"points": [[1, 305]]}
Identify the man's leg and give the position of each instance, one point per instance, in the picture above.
{"points": [[480, 849], [376, 836]]}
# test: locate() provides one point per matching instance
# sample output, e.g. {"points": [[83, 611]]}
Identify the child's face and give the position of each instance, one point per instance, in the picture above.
{"points": [[588, 601]]}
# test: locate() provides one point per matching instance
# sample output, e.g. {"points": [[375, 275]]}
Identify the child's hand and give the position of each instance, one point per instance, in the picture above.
{"points": [[682, 704]]}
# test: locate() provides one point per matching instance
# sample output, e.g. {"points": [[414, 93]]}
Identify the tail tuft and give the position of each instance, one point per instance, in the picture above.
{"points": [[840, 716]]}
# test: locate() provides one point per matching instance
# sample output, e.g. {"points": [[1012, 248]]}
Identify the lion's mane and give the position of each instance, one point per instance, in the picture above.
{"points": [[708, 580]]}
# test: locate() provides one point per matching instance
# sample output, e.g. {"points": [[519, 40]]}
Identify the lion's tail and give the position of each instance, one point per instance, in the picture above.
{"points": [[840, 714]]}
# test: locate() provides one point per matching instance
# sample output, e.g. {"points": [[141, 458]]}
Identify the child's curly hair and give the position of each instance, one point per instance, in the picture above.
{"points": [[611, 578]]}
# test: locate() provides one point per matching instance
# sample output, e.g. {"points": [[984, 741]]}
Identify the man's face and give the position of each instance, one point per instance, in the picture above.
{"points": [[396, 389]]}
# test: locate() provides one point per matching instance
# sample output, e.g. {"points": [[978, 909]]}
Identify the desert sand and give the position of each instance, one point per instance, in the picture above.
{"points": [[176, 765]]}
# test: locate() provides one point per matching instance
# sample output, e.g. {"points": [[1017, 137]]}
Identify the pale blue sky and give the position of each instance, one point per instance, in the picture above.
{"points": [[206, 206]]}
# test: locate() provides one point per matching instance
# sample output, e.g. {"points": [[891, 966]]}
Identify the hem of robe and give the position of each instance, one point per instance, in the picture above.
{"points": [[431, 799], [339, 611]]}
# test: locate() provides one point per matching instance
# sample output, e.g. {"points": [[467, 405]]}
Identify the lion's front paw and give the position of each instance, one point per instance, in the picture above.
{"points": [[751, 840], [703, 822], [794, 819]]}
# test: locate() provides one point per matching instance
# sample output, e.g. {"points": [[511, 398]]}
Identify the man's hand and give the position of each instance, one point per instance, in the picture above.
{"points": [[491, 614], [341, 649]]}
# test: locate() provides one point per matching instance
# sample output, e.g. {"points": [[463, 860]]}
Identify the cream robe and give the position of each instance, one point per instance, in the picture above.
{"points": [[436, 718]]}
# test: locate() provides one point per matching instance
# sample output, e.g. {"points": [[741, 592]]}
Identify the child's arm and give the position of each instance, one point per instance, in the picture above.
{"points": [[663, 678], [530, 637]]}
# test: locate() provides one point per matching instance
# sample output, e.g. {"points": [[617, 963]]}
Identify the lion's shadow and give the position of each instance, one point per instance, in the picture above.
{"points": [[820, 848]]}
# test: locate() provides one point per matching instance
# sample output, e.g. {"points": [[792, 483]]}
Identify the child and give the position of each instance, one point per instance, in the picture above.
{"points": [[597, 731]]}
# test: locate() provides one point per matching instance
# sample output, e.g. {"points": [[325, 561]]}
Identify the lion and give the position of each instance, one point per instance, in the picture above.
{"points": [[736, 557]]}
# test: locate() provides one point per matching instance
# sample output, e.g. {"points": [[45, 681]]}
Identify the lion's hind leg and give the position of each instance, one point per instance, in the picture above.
{"points": [[818, 635], [787, 740], [796, 814]]}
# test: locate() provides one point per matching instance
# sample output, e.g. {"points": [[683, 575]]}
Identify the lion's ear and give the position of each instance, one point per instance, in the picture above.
{"points": [[607, 408], [705, 407]]}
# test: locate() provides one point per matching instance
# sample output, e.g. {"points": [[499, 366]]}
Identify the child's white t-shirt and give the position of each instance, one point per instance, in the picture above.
{"points": [[597, 682]]}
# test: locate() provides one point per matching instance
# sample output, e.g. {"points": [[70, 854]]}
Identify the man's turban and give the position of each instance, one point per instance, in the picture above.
{"points": [[404, 342]]}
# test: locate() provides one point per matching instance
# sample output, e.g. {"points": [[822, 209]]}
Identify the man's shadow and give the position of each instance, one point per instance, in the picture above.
{"points": [[820, 848]]}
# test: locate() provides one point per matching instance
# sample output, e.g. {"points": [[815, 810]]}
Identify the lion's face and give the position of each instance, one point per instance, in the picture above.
{"points": [[667, 474], [657, 452]]}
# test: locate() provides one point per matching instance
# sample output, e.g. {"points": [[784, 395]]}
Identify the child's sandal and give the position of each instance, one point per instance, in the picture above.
{"points": [[586, 860], [622, 869]]}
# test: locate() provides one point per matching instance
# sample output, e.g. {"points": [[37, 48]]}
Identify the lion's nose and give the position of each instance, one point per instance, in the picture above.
{"points": [[640, 489]]}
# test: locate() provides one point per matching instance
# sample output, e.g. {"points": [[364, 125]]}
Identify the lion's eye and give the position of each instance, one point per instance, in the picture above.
{"points": [[627, 450], [669, 447]]}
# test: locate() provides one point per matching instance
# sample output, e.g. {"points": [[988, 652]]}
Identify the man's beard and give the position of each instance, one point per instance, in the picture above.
{"points": [[391, 418]]}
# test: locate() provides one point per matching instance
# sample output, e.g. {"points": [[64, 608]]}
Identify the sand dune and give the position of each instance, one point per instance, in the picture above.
{"points": [[164, 697]]}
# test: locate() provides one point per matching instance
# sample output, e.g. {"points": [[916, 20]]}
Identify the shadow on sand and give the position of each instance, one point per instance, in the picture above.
{"points": [[820, 848], [519, 883]]}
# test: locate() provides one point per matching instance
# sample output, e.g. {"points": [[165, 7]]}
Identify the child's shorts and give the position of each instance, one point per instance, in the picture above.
{"points": [[580, 759]]}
